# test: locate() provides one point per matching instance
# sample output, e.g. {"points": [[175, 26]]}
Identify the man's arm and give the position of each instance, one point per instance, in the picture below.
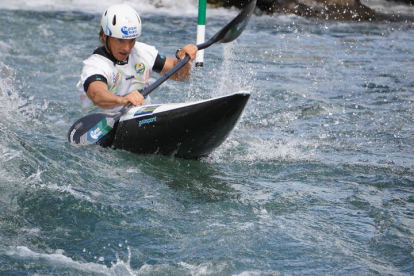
{"points": [[99, 94], [185, 72]]}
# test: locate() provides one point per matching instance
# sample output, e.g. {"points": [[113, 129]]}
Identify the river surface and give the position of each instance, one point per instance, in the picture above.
{"points": [[316, 179]]}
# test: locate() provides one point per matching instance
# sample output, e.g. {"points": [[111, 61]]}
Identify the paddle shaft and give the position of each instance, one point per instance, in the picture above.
{"points": [[165, 77]]}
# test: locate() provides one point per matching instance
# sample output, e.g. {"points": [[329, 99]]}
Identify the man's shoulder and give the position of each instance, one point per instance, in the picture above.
{"points": [[100, 55], [144, 52], [98, 64], [142, 45], [99, 58], [142, 48]]}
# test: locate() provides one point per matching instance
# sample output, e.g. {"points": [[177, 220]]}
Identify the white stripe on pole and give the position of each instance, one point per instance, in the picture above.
{"points": [[201, 35]]}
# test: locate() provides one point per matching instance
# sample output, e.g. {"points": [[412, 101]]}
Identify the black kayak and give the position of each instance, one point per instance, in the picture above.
{"points": [[187, 130]]}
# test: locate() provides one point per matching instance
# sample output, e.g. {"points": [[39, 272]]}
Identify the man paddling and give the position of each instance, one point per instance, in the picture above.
{"points": [[93, 128], [121, 67]]}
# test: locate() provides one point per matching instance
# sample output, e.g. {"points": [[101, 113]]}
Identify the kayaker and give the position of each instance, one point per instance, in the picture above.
{"points": [[122, 66]]}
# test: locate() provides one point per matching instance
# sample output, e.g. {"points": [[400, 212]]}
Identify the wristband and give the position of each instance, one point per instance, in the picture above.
{"points": [[176, 54]]}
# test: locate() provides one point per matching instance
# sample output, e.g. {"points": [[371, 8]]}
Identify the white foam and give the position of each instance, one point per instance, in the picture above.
{"points": [[7, 154], [59, 261], [389, 7], [174, 7], [263, 150]]}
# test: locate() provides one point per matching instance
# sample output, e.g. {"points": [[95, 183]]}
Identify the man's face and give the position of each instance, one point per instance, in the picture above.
{"points": [[120, 48]]}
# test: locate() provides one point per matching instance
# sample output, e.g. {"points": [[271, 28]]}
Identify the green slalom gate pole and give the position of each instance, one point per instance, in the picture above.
{"points": [[201, 31]]}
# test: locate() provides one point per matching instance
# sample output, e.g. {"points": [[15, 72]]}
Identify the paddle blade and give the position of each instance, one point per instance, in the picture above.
{"points": [[238, 27], [233, 29], [90, 129]]}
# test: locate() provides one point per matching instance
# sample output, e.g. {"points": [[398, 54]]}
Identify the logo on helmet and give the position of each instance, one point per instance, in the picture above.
{"points": [[124, 30], [128, 31]]}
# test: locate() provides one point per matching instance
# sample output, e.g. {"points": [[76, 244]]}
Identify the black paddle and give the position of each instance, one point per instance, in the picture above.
{"points": [[91, 128]]}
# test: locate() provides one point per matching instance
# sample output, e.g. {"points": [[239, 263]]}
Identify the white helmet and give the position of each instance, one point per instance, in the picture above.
{"points": [[121, 21]]}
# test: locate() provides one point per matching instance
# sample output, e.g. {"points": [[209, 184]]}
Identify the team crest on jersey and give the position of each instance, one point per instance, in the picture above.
{"points": [[139, 68]]}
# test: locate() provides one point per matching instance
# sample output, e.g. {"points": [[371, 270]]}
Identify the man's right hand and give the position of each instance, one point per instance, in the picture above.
{"points": [[135, 98]]}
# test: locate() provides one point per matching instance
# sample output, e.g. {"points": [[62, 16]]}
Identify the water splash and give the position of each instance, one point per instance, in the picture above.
{"points": [[8, 93], [223, 74], [60, 262], [14, 106], [255, 149]]}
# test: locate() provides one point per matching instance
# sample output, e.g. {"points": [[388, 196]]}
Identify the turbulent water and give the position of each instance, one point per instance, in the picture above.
{"points": [[316, 179]]}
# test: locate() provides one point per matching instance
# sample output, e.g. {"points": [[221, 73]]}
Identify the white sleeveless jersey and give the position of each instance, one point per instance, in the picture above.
{"points": [[121, 78]]}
